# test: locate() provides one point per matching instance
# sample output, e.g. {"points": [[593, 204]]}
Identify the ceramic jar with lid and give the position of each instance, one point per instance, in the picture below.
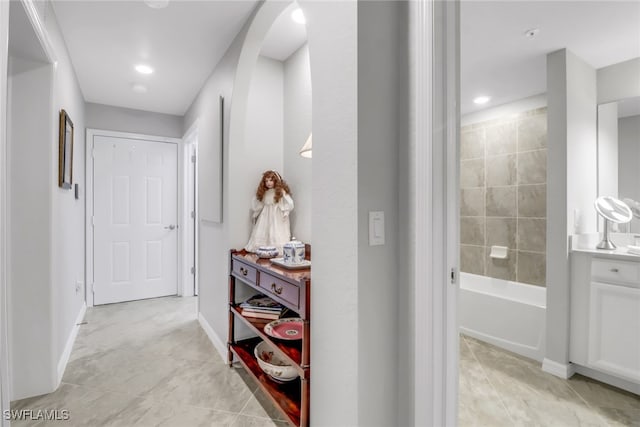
{"points": [[293, 252]]}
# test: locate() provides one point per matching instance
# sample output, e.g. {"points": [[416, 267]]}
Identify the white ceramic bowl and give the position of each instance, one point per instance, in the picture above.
{"points": [[267, 252], [272, 364]]}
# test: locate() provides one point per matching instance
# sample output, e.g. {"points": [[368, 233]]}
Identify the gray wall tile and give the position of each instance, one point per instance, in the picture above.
{"points": [[501, 232], [472, 231], [532, 268], [532, 132], [472, 259], [472, 143], [532, 167], [532, 234], [472, 173], [504, 269], [532, 200], [501, 201], [501, 139], [472, 202], [501, 170]]}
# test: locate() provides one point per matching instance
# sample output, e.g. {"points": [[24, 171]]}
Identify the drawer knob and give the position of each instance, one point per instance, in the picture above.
{"points": [[275, 289], [244, 271], [614, 270]]}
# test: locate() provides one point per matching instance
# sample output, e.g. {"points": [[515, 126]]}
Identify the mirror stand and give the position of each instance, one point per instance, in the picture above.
{"points": [[606, 243]]}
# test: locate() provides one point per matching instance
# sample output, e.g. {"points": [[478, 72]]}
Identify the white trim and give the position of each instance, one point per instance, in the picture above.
{"points": [[90, 134], [434, 39], [39, 29], [5, 380], [561, 370], [190, 141], [218, 344], [422, 17], [64, 359], [450, 46]]}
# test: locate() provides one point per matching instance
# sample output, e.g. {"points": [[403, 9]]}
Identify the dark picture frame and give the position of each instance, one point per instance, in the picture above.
{"points": [[65, 152]]}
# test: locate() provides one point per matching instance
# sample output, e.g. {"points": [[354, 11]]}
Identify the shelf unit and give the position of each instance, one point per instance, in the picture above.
{"points": [[291, 288]]}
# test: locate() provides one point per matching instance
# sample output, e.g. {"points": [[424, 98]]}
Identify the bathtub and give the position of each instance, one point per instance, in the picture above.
{"points": [[506, 314]]}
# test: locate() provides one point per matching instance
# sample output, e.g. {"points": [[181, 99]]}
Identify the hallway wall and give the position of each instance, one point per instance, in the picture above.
{"points": [[108, 117], [30, 275], [214, 213], [68, 213], [297, 126], [44, 311]]}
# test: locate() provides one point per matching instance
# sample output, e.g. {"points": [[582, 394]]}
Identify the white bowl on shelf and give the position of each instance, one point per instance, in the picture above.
{"points": [[272, 364]]}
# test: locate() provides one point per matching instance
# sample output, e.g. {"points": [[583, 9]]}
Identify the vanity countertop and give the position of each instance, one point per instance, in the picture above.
{"points": [[619, 253], [586, 243]]}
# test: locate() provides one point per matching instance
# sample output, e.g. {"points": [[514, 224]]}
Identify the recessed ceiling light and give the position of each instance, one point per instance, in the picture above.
{"points": [[298, 16], [139, 88], [157, 4], [144, 69], [481, 100], [532, 33]]}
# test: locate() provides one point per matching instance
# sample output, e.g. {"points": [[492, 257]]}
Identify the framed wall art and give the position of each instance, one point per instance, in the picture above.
{"points": [[65, 152]]}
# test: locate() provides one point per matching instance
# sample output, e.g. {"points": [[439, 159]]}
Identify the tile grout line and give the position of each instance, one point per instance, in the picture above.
{"points": [[504, 406]]}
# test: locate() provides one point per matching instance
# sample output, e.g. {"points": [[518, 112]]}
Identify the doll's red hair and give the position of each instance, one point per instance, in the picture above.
{"points": [[280, 186]]}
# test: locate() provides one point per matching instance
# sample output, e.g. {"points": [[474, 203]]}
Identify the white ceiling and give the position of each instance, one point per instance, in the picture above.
{"points": [[284, 37], [499, 61], [182, 42]]}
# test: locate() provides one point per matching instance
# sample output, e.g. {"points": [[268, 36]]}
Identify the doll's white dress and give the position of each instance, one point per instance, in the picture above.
{"points": [[272, 226]]}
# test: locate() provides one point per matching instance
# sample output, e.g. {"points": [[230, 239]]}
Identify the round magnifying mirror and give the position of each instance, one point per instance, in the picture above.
{"points": [[614, 210]]}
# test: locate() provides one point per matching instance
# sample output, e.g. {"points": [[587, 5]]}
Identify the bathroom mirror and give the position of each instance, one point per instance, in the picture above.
{"points": [[619, 152], [612, 210]]}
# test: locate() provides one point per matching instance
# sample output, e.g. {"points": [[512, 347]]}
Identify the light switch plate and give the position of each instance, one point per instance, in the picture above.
{"points": [[376, 228]]}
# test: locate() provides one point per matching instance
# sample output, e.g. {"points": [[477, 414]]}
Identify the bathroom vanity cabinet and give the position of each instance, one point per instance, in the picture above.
{"points": [[291, 288], [605, 317]]}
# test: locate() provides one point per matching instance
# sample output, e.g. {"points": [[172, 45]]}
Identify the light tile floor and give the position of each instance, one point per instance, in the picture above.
{"points": [[499, 388], [149, 363]]}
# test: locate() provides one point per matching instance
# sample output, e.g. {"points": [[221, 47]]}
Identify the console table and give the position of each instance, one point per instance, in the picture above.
{"points": [[291, 288]]}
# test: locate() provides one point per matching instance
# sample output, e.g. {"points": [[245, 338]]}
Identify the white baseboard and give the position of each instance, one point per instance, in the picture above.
{"points": [[213, 337], [561, 370], [64, 359], [535, 353]]}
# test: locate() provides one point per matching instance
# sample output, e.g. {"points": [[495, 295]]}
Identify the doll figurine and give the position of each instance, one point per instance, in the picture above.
{"points": [[270, 209]]}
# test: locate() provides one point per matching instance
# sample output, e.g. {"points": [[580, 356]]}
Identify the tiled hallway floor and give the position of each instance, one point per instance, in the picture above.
{"points": [[149, 363], [498, 388]]}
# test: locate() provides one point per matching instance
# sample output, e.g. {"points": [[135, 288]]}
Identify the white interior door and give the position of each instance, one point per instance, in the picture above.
{"points": [[135, 219]]}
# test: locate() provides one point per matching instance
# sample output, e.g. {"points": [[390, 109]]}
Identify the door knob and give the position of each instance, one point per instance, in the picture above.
{"points": [[170, 227]]}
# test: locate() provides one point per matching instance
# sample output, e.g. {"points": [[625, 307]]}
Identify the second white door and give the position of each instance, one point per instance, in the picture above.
{"points": [[135, 219]]}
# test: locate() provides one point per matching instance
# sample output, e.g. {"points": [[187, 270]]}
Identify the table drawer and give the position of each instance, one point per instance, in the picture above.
{"points": [[616, 271], [280, 289], [244, 271]]}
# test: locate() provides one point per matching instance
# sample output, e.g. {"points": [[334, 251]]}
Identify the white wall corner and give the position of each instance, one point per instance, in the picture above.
{"points": [[562, 370], [66, 354], [213, 337]]}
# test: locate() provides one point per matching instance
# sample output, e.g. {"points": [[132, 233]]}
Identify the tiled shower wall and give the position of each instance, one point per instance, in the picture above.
{"points": [[503, 175]]}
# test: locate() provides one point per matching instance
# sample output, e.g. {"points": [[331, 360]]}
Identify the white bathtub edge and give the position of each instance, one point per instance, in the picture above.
{"points": [[562, 370], [535, 353]]}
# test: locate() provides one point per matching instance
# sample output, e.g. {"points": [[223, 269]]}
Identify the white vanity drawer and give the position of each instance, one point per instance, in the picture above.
{"points": [[616, 271]]}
